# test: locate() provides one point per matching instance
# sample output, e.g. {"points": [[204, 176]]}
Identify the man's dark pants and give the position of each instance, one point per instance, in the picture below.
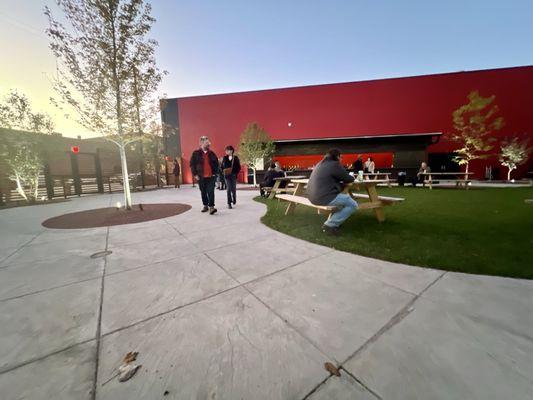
{"points": [[207, 188]]}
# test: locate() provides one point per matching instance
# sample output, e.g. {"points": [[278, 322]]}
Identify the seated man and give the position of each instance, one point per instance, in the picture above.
{"points": [[420, 177], [325, 188], [268, 180]]}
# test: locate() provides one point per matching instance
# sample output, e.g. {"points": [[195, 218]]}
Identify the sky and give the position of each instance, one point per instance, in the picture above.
{"points": [[217, 46]]}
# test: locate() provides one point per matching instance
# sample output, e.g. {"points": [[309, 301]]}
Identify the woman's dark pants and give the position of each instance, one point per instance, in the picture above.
{"points": [[231, 184]]}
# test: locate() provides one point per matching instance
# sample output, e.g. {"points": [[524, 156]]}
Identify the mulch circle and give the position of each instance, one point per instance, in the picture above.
{"points": [[111, 216]]}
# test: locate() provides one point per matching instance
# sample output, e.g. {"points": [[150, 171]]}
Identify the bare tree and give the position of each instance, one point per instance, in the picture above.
{"points": [[106, 66]]}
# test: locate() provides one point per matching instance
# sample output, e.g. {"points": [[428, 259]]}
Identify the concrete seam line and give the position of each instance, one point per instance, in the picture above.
{"points": [[168, 311], [21, 247], [361, 383], [53, 353], [99, 321], [48, 289]]}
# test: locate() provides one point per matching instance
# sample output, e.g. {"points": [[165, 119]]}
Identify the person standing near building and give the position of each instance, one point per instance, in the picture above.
{"points": [[370, 166], [204, 168], [357, 164], [325, 188], [176, 171], [231, 167]]}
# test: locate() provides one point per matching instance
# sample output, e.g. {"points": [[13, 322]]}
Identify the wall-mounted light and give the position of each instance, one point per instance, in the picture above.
{"points": [[118, 205], [289, 124]]}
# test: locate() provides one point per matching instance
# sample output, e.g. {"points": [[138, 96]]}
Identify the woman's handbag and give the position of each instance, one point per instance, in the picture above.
{"points": [[229, 170]]}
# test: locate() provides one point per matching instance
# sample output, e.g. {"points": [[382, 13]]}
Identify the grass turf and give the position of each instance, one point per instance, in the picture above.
{"points": [[481, 231]]}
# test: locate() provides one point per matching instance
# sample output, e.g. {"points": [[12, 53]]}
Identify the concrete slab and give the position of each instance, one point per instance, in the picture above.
{"points": [[438, 353], [51, 235], [58, 249], [45, 274], [228, 235], [39, 324], [335, 306], [150, 252], [503, 302], [66, 375], [405, 277], [227, 347], [264, 256], [343, 387], [135, 295], [139, 233]]}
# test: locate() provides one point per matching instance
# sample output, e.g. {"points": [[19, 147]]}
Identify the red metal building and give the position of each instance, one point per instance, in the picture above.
{"points": [[402, 121]]}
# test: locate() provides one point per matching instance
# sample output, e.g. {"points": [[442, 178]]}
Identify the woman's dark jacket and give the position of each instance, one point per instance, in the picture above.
{"points": [[197, 162], [176, 170], [226, 163]]}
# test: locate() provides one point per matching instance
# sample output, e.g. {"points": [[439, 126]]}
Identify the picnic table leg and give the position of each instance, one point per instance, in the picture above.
{"points": [[373, 197], [430, 183], [298, 191], [272, 194]]}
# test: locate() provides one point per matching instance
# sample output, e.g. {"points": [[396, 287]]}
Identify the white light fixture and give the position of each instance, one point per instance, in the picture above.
{"points": [[118, 205], [43, 198], [512, 180], [289, 124]]}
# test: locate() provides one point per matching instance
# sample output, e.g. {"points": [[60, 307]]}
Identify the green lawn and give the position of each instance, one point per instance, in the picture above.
{"points": [[480, 231]]}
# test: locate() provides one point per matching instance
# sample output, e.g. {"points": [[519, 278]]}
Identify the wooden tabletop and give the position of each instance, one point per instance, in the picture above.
{"points": [[355, 183], [289, 178], [446, 173]]}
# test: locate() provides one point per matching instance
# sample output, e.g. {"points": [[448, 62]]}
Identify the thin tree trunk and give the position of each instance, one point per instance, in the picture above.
{"points": [[466, 170], [20, 190], [125, 178], [36, 186], [509, 174], [255, 178]]}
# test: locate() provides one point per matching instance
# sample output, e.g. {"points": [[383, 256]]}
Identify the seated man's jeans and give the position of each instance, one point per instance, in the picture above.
{"points": [[346, 207]]}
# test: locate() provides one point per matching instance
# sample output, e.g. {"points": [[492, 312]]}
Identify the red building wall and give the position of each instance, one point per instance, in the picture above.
{"points": [[419, 104]]}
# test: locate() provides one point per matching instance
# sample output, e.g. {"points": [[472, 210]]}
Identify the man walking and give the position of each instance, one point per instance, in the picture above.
{"points": [[204, 168], [325, 188]]}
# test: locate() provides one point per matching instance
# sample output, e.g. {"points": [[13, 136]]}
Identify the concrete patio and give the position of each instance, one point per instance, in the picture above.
{"points": [[222, 307]]}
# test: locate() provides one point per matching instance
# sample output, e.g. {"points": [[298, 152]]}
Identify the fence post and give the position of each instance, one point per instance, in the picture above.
{"points": [[75, 173], [98, 170], [49, 181]]}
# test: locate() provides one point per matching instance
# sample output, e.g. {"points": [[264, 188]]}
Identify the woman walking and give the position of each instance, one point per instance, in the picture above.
{"points": [[231, 166]]}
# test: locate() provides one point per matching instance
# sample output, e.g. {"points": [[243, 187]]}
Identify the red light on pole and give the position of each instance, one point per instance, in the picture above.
{"points": [[75, 149]]}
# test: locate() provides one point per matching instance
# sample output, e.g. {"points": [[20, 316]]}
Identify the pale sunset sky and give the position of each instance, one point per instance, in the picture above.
{"points": [[215, 46]]}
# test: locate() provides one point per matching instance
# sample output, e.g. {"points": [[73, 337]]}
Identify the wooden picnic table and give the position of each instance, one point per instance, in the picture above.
{"points": [[374, 202], [378, 175], [277, 183], [458, 180]]}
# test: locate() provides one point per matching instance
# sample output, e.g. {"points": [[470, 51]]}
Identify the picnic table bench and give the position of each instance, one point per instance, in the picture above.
{"points": [[461, 178], [277, 185], [374, 202]]}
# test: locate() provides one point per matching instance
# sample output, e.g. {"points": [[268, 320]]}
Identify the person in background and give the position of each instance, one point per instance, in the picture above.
{"points": [[325, 188], [420, 177], [268, 180], [279, 169], [204, 167], [370, 166], [221, 183], [231, 167], [176, 171], [357, 164]]}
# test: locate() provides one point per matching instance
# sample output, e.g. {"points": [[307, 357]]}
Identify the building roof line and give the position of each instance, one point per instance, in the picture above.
{"points": [[316, 85], [357, 137]]}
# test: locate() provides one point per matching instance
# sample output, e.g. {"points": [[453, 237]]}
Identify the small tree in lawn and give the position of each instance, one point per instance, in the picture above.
{"points": [[255, 146], [513, 153], [473, 123], [104, 59], [23, 152]]}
